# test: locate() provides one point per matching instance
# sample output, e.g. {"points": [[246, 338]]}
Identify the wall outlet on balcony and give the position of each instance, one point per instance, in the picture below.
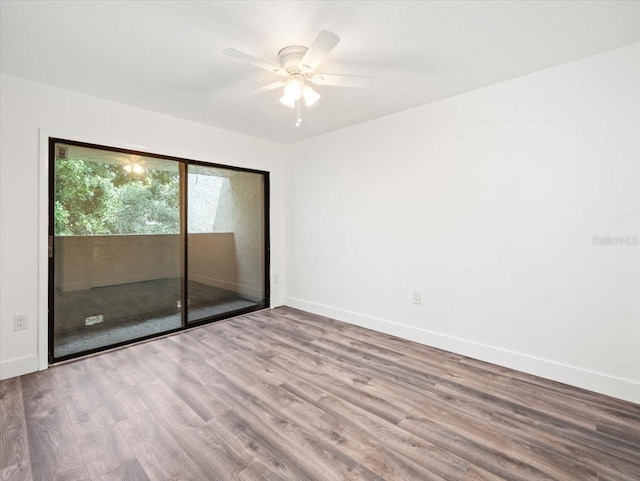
{"points": [[276, 278], [417, 297], [19, 322]]}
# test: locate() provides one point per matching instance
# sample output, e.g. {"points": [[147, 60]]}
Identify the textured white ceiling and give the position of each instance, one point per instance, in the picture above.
{"points": [[167, 56]]}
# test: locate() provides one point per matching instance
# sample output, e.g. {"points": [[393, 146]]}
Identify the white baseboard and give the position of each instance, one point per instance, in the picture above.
{"points": [[18, 366], [277, 302], [594, 381]]}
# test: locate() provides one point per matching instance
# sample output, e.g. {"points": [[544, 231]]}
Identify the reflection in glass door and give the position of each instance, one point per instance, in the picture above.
{"points": [[121, 255], [226, 239]]}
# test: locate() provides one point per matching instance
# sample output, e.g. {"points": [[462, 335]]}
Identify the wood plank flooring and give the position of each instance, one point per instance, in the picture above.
{"points": [[287, 395]]}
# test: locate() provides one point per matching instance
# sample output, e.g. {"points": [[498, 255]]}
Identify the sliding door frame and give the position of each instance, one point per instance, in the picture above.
{"points": [[184, 195]]}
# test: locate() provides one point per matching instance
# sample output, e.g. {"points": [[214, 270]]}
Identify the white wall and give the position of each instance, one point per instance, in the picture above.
{"points": [[27, 107], [486, 203]]}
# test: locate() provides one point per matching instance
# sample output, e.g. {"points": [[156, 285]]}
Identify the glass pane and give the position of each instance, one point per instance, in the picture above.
{"points": [[226, 241], [118, 250]]}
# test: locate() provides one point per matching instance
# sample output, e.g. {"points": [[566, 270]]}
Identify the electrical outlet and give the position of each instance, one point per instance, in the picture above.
{"points": [[417, 297], [276, 278], [19, 322]]}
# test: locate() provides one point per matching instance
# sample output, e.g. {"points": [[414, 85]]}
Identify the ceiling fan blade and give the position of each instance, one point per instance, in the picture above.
{"points": [[238, 55], [321, 46], [267, 88], [353, 81]]}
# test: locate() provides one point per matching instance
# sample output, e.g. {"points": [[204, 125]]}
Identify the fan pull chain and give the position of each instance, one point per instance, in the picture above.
{"points": [[299, 121]]}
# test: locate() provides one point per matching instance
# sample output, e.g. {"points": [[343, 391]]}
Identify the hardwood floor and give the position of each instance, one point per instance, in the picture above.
{"points": [[287, 395]]}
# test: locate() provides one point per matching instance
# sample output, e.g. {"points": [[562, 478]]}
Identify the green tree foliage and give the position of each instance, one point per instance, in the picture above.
{"points": [[96, 198]]}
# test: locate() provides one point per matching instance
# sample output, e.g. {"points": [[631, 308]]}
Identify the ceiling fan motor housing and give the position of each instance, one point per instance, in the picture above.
{"points": [[291, 57]]}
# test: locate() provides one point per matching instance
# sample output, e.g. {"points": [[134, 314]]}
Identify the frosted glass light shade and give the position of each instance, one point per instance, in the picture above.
{"points": [[288, 102], [293, 89], [309, 95]]}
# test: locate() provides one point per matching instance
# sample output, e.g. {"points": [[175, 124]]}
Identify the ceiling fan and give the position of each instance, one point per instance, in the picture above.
{"points": [[297, 64]]}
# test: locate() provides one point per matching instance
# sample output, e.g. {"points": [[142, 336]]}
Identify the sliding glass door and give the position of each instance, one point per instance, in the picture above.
{"points": [[143, 245], [226, 234]]}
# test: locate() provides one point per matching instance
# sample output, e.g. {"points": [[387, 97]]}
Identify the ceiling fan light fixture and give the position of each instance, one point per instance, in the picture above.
{"points": [[289, 102], [297, 66], [293, 89], [309, 95]]}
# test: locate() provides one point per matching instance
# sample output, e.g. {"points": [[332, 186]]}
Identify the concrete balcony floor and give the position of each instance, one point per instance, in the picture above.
{"points": [[133, 311]]}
